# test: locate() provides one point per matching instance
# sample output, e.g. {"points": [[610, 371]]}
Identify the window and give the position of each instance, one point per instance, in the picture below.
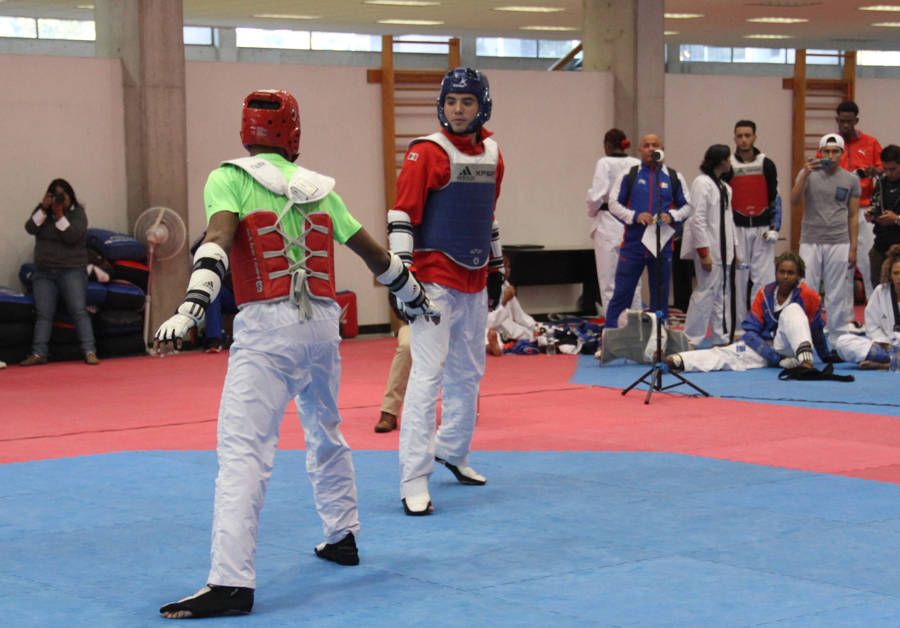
{"points": [[264, 38], [555, 48], [80, 30], [198, 36], [24, 27], [693, 53], [505, 47], [878, 57], [759, 55], [418, 48], [351, 42]]}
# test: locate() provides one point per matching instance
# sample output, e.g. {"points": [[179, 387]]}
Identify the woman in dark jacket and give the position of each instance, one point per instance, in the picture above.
{"points": [[59, 225]]}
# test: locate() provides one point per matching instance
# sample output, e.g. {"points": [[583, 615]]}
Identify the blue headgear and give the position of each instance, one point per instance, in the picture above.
{"points": [[466, 81]]}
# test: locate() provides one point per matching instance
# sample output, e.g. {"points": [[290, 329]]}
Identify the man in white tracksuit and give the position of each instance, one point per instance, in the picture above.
{"points": [[709, 241], [606, 229], [872, 351], [274, 222]]}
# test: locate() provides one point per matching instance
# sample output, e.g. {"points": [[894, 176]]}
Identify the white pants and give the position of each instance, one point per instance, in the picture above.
{"points": [[757, 265], [853, 348], [827, 264], [448, 357], [792, 331], [512, 321], [865, 242], [275, 357], [606, 256], [710, 301]]}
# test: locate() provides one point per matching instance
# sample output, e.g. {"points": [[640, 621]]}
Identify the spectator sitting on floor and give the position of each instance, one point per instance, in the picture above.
{"points": [[872, 351], [783, 324], [509, 321]]}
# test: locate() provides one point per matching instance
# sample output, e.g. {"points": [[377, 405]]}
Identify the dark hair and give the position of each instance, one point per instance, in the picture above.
{"points": [[617, 139], [891, 152], [67, 188], [892, 257], [715, 154], [790, 256], [848, 106], [749, 123]]}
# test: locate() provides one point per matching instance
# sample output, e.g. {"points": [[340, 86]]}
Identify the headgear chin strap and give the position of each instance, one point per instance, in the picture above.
{"points": [[271, 117], [466, 81]]}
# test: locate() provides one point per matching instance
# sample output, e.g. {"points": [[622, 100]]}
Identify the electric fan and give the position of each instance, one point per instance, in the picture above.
{"points": [[162, 231]]}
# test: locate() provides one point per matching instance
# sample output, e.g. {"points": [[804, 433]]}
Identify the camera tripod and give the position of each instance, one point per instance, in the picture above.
{"points": [[653, 377]]}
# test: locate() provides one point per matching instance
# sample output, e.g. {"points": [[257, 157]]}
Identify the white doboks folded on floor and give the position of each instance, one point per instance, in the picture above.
{"points": [[635, 339]]}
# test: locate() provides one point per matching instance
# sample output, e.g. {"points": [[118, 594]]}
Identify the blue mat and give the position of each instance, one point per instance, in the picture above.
{"points": [[873, 392], [554, 539]]}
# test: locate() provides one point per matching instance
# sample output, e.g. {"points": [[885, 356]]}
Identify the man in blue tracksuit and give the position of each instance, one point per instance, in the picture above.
{"points": [[639, 198]]}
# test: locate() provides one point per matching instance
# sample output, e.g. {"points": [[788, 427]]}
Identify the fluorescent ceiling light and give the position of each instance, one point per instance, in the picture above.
{"points": [[286, 16], [887, 24], [520, 9], [881, 7], [403, 3], [777, 20], [413, 22], [84, 6], [547, 28], [671, 32], [682, 16], [766, 36]]}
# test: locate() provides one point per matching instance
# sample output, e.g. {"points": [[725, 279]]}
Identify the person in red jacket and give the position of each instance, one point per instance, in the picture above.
{"points": [[861, 156], [442, 226]]}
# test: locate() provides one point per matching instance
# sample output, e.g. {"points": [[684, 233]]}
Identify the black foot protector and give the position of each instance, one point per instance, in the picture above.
{"points": [[211, 601], [343, 552], [464, 475]]}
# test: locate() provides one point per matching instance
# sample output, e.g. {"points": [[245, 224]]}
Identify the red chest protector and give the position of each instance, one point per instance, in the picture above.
{"points": [[260, 267]]}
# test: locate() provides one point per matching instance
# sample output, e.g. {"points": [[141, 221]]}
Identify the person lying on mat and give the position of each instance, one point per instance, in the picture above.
{"points": [[781, 328], [509, 321], [872, 351], [278, 221]]}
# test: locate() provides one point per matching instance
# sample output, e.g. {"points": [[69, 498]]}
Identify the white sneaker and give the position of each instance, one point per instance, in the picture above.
{"points": [[418, 505]]}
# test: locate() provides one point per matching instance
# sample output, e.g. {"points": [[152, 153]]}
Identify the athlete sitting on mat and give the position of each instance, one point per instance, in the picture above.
{"points": [[780, 329], [872, 351]]}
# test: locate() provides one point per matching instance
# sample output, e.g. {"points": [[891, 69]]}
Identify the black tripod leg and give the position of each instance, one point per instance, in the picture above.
{"points": [[685, 380], [641, 379]]}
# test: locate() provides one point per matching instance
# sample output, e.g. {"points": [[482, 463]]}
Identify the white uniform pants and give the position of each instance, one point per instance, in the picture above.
{"points": [[853, 348], [865, 242], [511, 321], [708, 305], [827, 263], [792, 331], [448, 357], [275, 357], [757, 265], [606, 256]]}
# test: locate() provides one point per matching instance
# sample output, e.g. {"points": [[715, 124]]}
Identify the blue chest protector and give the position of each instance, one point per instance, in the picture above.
{"points": [[458, 217]]}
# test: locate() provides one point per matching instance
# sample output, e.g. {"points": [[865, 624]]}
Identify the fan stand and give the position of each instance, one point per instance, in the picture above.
{"points": [[156, 234]]}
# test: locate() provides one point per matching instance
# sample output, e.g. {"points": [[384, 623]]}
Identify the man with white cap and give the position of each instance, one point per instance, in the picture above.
{"points": [[828, 233]]}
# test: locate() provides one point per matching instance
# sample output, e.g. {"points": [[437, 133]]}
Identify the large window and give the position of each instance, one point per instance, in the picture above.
{"points": [[266, 38], [528, 48]]}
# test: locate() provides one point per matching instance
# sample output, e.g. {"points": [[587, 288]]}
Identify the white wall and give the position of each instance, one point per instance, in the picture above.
{"points": [[59, 117], [63, 116]]}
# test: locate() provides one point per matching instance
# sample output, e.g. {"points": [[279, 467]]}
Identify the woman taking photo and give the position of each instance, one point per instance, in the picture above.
{"points": [[59, 225]]}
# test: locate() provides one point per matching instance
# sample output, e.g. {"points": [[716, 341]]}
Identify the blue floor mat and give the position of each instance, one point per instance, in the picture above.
{"points": [[873, 392], [554, 539]]}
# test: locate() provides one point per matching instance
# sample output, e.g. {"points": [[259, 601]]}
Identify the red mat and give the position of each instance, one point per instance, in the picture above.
{"points": [[145, 403]]}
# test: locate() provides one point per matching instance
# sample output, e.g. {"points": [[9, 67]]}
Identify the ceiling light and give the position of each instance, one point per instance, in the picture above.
{"points": [[547, 28], [403, 3], [766, 36], [413, 22], [671, 32], [84, 6], [777, 20], [880, 7], [682, 16], [286, 16], [520, 9], [887, 24]]}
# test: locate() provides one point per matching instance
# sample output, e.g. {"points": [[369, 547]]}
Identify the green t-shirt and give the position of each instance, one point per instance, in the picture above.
{"points": [[229, 188]]}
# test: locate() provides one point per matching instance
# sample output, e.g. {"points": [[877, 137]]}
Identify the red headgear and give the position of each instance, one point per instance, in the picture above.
{"points": [[271, 117]]}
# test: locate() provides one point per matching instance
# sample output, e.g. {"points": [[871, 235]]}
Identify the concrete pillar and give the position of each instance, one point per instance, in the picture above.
{"points": [[625, 37], [147, 36]]}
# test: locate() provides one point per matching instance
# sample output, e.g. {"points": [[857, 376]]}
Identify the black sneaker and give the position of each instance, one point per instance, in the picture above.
{"points": [[211, 601], [464, 475], [343, 552]]}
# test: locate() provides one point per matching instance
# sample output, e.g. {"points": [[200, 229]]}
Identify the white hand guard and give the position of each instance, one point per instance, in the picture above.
{"points": [[789, 363], [770, 236], [411, 297], [175, 328]]}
